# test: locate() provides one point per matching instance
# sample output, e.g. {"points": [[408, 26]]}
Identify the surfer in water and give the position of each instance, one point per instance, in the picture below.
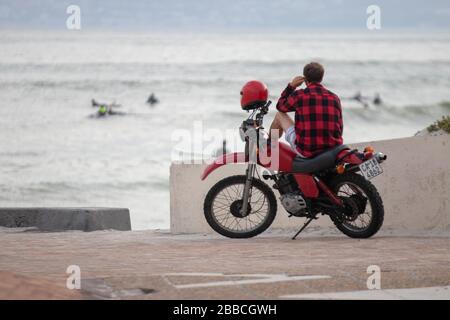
{"points": [[105, 109], [152, 99], [377, 100], [102, 110], [359, 97]]}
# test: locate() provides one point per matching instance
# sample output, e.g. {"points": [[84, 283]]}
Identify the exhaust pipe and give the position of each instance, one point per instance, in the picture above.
{"points": [[380, 157]]}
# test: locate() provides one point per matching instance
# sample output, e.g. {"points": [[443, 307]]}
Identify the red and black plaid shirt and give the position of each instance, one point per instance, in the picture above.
{"points": [[318, 118]]}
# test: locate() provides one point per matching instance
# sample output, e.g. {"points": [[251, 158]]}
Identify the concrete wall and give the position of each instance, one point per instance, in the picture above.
{"points": [[415, 188], [59, 219]]}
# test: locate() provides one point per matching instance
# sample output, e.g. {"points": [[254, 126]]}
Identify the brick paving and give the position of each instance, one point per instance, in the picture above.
{"points": [[157, 265], [15, 286]]}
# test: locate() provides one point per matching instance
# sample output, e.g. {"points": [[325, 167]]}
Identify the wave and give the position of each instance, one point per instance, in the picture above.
{"points": [[418, 114], [22, 154], [85, 84], [47, 187], [81, 84], [374, 114], [23, 66]]}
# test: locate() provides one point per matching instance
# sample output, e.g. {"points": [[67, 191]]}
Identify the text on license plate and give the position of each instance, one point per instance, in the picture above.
{"points": [[370, 168]]}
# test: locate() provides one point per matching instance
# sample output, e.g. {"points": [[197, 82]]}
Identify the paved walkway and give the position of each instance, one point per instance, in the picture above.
{"points": [[157, 265]]}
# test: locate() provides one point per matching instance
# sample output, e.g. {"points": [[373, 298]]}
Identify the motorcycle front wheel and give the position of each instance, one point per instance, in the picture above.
{"points": [[223, 203]]}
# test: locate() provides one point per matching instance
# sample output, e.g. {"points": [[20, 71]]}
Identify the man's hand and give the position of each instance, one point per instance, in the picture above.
{"points": [[297, 81]]}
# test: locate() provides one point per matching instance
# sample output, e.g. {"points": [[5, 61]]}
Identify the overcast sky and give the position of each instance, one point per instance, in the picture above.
{"points": [[210, 15]]}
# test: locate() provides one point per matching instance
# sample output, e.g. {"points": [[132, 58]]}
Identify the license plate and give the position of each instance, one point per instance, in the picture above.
{"points": [[370, 169]]}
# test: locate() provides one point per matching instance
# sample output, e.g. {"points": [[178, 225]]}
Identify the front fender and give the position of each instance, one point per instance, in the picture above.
{"points": [[235, 157]]}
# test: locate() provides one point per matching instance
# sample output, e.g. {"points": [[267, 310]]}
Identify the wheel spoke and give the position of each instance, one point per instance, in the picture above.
{"points": [[227, 197]]}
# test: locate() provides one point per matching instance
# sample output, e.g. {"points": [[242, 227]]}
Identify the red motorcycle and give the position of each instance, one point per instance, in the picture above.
{"points": [[334, 183]]}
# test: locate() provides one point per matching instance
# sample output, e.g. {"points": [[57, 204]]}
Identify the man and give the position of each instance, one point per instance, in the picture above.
{"points": [[318, 116]]}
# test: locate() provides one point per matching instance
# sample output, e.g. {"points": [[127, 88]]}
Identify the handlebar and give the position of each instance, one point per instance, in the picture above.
{"points": [[262, 112], [255, 120]]}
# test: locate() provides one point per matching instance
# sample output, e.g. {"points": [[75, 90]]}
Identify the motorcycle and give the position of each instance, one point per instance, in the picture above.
{"points": [[334, 183]]}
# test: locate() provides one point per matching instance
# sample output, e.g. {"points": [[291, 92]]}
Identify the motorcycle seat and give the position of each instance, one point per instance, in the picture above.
{"points": [[320, 162]]}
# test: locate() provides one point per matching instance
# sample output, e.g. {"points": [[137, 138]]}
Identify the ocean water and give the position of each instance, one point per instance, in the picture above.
{"points": [[52, 153]]}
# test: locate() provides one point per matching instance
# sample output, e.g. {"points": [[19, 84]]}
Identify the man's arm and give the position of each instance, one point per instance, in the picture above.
{"points": [[341, 120], [289, 97]]}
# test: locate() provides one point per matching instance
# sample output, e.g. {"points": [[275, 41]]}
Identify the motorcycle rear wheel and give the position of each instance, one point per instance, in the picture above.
{"points": [[224, 200], [372, 207]]}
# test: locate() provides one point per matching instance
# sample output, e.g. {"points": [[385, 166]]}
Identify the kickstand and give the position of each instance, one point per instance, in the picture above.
{"points": [[303, 228]]}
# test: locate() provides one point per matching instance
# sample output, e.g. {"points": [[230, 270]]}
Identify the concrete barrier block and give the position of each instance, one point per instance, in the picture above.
{"points": [[58, 219]]}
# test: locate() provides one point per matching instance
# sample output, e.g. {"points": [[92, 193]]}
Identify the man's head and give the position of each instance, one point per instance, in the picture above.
{"points": [[313, 72]]}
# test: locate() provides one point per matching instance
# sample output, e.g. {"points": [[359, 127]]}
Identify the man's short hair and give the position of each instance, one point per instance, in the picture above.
{"points": [[313, 72]]}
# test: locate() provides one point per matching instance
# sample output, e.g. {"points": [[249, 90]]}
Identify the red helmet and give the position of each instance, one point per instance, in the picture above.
{"points": [[254, 94]]}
